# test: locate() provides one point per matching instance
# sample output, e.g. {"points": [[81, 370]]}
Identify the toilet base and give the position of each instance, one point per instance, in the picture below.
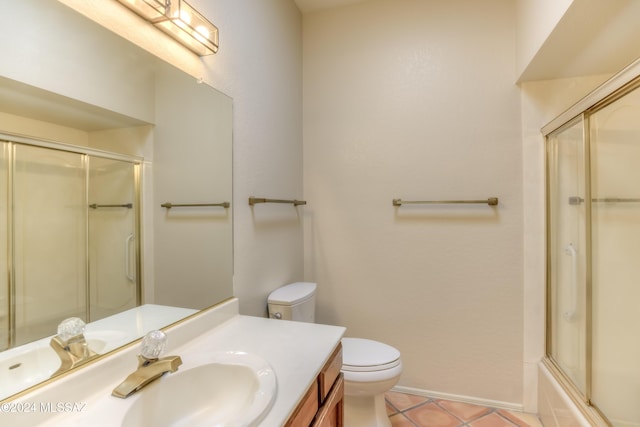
{"points": [[365, 411]]}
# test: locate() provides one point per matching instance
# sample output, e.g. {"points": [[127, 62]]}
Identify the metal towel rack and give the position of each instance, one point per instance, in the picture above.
{"points": [[124, 205], [576, 200], [491, 201], [170, 205], [255, 200]]}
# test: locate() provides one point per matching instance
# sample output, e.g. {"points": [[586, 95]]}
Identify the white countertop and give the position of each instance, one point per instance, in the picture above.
{"points": [[102, 335], [296, 351]]}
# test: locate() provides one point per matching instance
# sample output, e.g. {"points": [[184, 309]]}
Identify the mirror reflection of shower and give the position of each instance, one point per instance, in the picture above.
{"points": [[71, 237]]}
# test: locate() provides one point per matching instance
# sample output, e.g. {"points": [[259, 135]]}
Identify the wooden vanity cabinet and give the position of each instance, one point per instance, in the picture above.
{"points": [[323, 403], [331, 413]]}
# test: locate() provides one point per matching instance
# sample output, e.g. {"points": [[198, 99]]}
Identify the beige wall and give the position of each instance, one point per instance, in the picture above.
{"points": [[259, 65], [416, 100], [90, 81], [574, 38], [446, 288], [536, 20]]}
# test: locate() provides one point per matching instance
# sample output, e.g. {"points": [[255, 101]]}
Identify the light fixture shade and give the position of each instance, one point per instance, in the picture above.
{"points": [[189, 27], [181, 21], [148, 9]]}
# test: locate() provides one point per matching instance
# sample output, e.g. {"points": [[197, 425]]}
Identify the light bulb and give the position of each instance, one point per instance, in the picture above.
{"points": [[201, 34], [185, 17]]}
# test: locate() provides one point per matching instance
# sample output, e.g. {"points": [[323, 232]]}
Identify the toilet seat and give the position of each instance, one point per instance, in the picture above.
{"points": [[363, 355]]}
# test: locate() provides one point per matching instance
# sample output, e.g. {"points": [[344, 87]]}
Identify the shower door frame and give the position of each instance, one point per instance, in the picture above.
{"points": [[612, 90], [579, 397], [136, 161]]}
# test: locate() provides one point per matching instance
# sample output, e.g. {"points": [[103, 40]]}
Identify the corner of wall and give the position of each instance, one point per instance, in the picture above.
{"points": [[536, 19]]}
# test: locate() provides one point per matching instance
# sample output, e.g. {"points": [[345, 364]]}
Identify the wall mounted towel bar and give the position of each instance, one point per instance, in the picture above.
{"points": [[491, 201], [576, 200], [254, 200], [169, 205], [125, 205]]}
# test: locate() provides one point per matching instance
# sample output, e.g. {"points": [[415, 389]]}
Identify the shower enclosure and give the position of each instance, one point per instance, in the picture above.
{"points": [[593, 256], [69, 237]]}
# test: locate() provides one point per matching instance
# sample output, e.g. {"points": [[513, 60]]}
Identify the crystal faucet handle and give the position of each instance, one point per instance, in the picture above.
{"points": [[153, 344], [71, 327]]}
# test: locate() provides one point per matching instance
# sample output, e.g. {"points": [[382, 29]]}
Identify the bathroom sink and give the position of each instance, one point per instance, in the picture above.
{"points": [[232, 389], [26, 367]]}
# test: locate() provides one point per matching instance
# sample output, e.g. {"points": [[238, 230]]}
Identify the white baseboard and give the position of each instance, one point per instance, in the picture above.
{"points": [[458, 398]]}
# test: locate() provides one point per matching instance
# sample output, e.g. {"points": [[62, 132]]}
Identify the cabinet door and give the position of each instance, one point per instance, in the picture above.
{"points": [[329, 373], [331, 414], [306, 410]]}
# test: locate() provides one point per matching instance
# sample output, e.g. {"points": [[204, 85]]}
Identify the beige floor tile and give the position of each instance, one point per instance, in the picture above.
{"points": [[521, 418], [491, 420], [464, 411], [432, 415], [400, 420], [403, 401], [409, 410]]}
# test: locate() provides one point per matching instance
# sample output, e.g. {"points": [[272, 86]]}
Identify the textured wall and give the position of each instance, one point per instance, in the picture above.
{"points": [[259, 65], [416, 100]]}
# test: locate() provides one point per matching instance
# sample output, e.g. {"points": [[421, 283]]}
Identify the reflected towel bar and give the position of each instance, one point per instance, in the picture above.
{"points": [[125, 205], [169, 205], [254, 200], [491, 201], [576, 200]]}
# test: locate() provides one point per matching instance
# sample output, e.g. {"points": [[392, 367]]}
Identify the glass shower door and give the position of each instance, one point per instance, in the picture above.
{"points": [[4, 255], [615, 188], [567, 251], [113, 253], [49, 249]]}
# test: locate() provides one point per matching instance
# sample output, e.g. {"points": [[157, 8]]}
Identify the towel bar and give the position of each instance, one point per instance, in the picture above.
{"points": [[169, 205], [491, 201], [254, 200], [124, 205]]}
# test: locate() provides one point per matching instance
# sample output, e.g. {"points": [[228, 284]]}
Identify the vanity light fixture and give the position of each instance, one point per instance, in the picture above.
{"points": [[181, 21]]}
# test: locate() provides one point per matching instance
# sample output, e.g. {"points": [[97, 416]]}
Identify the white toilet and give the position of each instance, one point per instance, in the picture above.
{"points": [[370, 368]]}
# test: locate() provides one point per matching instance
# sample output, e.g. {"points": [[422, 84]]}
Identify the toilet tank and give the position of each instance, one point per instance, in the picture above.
{"points": [[296, 301]]}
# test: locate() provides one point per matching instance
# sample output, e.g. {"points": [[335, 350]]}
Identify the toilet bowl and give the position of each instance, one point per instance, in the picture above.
{"points": [[370, 368]]}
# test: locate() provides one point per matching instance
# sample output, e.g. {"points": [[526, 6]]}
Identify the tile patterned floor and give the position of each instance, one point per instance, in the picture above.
{"points": [[407, 410]]}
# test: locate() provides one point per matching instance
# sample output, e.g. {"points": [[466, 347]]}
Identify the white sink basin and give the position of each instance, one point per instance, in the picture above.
{"points": [[233, 389], [26, 367]]}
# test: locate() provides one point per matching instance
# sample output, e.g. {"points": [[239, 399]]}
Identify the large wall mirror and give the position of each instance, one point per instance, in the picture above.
{"points": [[115, 190]]}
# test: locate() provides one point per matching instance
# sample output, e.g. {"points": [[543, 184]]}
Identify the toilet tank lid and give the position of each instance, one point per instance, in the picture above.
{"points": [[293, 293]]}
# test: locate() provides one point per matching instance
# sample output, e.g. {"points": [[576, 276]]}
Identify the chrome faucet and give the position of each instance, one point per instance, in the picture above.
{"points": [[150, 367], [70, 345]]}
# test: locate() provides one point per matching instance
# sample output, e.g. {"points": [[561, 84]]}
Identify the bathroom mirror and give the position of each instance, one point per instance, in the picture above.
{"points": [[67, 83]]}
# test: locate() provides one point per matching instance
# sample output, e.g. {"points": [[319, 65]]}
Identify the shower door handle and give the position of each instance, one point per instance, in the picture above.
{"points": [[573, 252], [127, 258]]}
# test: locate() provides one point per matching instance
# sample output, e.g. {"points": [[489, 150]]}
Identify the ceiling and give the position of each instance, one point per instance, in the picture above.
{"points": [[307, 6]]}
